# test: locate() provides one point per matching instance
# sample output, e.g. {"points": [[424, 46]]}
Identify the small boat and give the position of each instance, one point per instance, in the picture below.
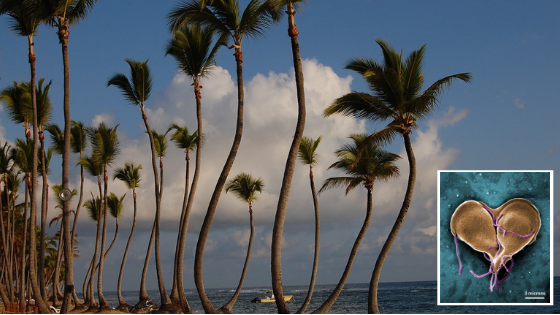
{"points": [[272, 299]]}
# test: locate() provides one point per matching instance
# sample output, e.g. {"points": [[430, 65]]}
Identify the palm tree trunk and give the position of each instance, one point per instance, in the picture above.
{"points": [[39, 302], [122, 302], [74, 225], [63, 34], [161, 285], [102, 302], [44, 205], [185, 223], [22, 288], [326, 306], [56, 275], [207, 223], [303, 308], [276, 251], [373, 306], [229, 305], [143, 296], [5, 266], [91, 298]]}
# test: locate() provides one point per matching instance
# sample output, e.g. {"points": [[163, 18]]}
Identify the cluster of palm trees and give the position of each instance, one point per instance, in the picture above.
{"points": [[199, 29]]}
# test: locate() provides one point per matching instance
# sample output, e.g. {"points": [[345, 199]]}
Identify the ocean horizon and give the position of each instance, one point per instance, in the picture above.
{"points": [[415, 297]]}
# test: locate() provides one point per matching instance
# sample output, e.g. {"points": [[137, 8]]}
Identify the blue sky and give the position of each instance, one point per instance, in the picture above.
{"points": [[506, 119]]}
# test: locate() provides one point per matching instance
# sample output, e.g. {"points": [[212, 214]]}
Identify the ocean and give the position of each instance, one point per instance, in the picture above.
{"points": [[419, 297]]}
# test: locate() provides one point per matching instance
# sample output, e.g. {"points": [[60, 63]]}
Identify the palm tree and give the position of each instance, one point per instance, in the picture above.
{"points": [[192, 48], [137, 91], [115, 205], [62, 14], [94, 209], [283, 198], [244, 187], [396, 85], [225, 18], [187, 142], [130, 175], [308, 156], [105, 148], [363, 163], [94, 168], [18, 104]]}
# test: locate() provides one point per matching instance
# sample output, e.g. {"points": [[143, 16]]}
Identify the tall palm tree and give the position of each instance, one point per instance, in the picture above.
{"points": [[363, 163], [187, 142], [225, 18], [94, 168], [244, 187], [137, 91], [308, 156], [63, 14], [397, 97], [283, 198], [130, 175], [105, 148], [192, 48]]}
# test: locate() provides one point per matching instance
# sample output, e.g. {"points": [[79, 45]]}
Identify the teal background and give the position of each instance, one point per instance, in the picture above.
{"points": [[531, 269]]}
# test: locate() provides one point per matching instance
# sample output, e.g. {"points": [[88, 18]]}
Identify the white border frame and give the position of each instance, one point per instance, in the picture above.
{"points": [[551, 174]]}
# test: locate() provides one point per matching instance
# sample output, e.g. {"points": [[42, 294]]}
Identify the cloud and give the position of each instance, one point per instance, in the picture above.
{"points": [[518, 103], [270, 118]]}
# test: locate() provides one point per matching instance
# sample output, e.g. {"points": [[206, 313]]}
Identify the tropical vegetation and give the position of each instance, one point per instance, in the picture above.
{"points": [[39, 266]]}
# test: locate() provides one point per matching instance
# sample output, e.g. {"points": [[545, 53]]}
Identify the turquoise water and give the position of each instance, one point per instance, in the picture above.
{"points": [[394, 298]]}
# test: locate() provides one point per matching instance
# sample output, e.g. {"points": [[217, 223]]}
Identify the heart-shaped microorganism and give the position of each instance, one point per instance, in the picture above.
{"points": [[497, 233]]}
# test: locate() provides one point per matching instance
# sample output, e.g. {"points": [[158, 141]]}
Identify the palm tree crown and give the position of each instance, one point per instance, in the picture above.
{"points": [[130, 175], [396, 85], [307, 151], [136, 90], [245, 187], [183, 139], [374, 164]]}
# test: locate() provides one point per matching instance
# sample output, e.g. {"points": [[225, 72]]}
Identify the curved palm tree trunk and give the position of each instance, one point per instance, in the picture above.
{"points": [[39, 301], [185, 223], [373, 306], [161, 285], [63, 33], [303, 308], [143, 294], [91, 298], [24, 245], [102, 302], [229, 305], [207, 223], [276, 251], [122, 302], [78, 207], [5, 266], [56, 274], [44, 209], [326, 306]]}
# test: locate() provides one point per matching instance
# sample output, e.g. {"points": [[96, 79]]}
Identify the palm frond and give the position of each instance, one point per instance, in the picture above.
{"points": [[307, 151], [130, 175], [245, 187]]}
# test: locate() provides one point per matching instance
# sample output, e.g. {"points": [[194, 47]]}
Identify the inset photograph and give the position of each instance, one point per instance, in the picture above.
{"points": [[495, 237]]}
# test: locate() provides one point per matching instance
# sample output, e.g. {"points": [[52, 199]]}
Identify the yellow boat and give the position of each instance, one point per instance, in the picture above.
{"points": [[271, 299]]}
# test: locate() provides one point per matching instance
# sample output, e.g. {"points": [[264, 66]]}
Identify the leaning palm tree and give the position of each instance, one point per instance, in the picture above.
{"points": [[225, 18], [397, 97], [363, 163], [78, 143], [308, 156], [187, 142], [137, 91], [94, 209], [244, 187], [5, 165], [130, 175], [115, 205], [105, 148], [192, 48], [62, 14]]}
